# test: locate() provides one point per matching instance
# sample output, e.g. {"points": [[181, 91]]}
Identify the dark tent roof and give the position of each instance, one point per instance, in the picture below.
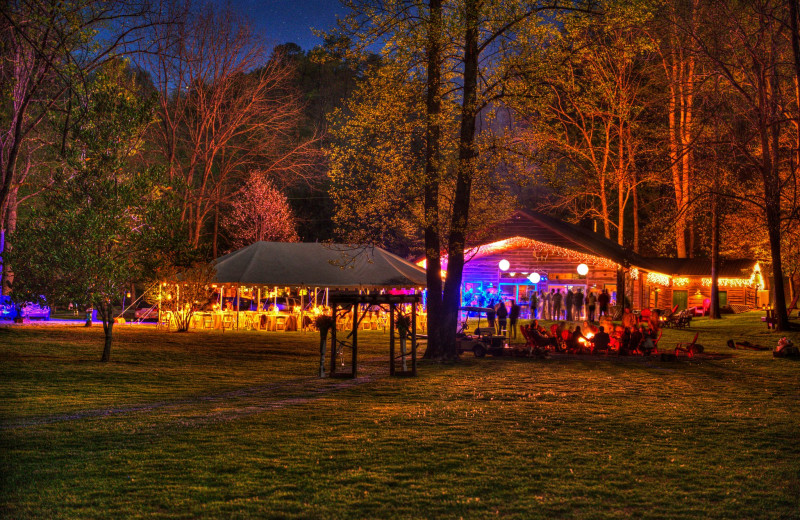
{"points": [[337, 266]]}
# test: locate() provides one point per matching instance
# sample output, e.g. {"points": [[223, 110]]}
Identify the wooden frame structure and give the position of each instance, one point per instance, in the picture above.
{"points": [[352, 302]]}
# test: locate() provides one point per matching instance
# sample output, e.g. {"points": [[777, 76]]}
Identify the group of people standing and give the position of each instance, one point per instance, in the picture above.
{"points": [[571, 306], [500, 316]]}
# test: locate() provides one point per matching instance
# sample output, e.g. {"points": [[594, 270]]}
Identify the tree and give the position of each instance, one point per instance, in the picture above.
{"points": [[100, 227], [748, 50], [587, 122], [259, 212], [49, 50], [225, 108], [477, 38], [679, 60]]}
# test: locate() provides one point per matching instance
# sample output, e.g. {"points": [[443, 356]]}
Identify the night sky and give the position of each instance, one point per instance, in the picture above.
{"points": [[282, 21]]}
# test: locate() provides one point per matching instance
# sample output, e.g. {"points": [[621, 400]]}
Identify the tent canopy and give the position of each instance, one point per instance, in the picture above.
{"points": [[336, 266]]}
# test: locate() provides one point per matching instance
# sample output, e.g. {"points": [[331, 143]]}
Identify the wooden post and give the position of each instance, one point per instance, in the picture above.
{"points": [[355, 339], [413, 338], [333, 342], [391, 339], [238, 301]]}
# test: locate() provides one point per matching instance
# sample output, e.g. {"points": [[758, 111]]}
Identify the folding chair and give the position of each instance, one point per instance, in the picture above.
{"points": [[688, 348]]}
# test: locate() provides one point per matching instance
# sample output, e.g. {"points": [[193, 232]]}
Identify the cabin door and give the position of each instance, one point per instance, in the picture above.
{"points": [[681, 299]]}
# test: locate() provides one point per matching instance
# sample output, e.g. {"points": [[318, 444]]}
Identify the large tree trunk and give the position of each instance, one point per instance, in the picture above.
{"points": [[635, 216], [461, 199], [8, 227], [714, 311], [772, 197], [433, 246], [106, 310], [795, 35]]}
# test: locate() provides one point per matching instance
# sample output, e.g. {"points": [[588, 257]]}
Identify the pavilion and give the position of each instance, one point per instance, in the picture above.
{"points": [[533, 252]]}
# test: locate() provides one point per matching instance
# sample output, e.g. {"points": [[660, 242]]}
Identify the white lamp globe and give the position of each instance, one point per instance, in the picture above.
{"points": [[504, 265], [583, 269], [535, 277]]}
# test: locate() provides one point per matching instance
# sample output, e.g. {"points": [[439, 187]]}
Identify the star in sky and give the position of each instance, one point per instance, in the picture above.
{"points": [[283, 21]]}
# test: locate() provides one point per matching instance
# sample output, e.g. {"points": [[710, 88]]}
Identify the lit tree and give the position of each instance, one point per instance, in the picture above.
{"points": [[225, 108], [50, 48], [101, 226], [750, 50], [462, 48], [259, 212], [585, 125]]}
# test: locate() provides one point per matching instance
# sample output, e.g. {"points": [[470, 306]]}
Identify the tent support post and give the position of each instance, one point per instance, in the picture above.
{"points": [[355, 339], [413, 339], [391, 339], [333, 341]]}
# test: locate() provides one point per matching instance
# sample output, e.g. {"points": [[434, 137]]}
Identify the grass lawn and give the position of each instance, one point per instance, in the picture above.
{"points": [[236, 425]]}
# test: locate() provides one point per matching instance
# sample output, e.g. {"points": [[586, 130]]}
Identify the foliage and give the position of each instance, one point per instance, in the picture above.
{"points": [[103, 225], [403, 324], [582, 114], [323, 323], [259, 212], [182, 290], [226, 108]]}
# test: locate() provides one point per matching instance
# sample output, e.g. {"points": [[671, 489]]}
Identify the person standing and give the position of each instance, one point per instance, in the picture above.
{"points": [[534, 306], [513, 317], [577, 302], [591, 304], [568, 302], [490, 314], [602, 301], [548, 302], [502, 315], [557, 298]]}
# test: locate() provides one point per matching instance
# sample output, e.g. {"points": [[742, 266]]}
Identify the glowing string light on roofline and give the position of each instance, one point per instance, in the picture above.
{"points": [[658, 279], [681, 281], [537, 246]]}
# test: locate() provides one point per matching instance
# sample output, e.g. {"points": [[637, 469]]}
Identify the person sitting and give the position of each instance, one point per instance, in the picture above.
{"points": [[654, 321], [625, 342], [542, 339], [648, 344], [577, 341], [542, 330], [628, 319], [601, 340], [636, 339]]}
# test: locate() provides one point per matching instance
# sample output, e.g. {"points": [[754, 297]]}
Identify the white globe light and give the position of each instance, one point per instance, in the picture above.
{"points": [[504, 265], [535, 277], [583, 269]]}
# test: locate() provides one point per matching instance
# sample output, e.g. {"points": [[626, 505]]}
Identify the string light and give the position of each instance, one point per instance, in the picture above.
{"points": [[680, 281], [634, 273], [539, 249], [754, 280], [729, 282], [658, 278]]}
